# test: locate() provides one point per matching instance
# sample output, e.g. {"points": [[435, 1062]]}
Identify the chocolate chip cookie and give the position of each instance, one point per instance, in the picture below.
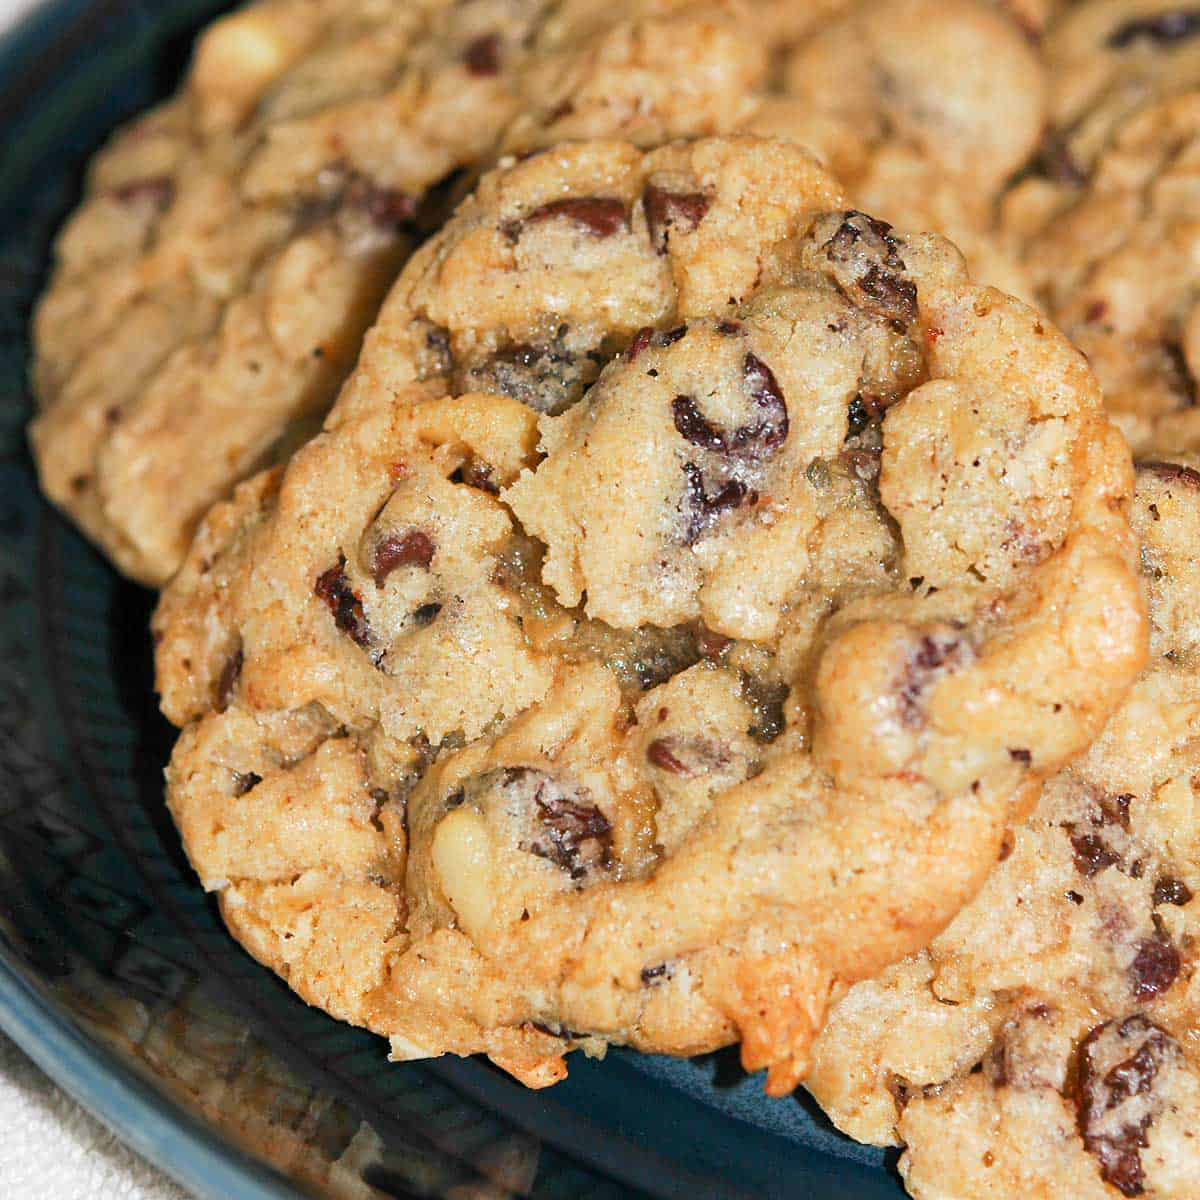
{"points": [[678, 529], [1045, 1044], [212, 291]]}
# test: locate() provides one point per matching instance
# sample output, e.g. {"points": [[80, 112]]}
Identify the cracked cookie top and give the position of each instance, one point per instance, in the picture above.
{"points": [[678, 530], [1045, 1043]]}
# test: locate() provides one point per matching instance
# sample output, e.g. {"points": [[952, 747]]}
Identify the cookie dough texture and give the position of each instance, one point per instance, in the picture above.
{"points": [[691, 582], [1046, 1043], [211, 293]]}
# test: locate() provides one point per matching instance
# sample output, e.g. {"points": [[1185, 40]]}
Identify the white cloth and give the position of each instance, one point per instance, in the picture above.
{"points": [[50, 1149], [53, 1150]]}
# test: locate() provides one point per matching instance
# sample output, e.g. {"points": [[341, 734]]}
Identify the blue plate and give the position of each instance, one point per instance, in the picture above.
{"points": [[115, 972]]}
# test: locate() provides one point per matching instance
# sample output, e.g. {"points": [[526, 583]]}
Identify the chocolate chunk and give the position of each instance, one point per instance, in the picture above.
{"points": [[598, 216], [1163, 29], [1103, 1088], [334, 589], [1168, 890], [482, 56], [231, 672], [155, 190], [672, 210], [710, 643], [1154, 968], [413, 548], [245, 782], [1171, 472]]}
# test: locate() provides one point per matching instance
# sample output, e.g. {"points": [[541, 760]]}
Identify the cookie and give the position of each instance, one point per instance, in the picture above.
{"points": [[899, 100], [235, 244], [677, 530], [1106, 60], [1045, 1044], [1115, 264]]}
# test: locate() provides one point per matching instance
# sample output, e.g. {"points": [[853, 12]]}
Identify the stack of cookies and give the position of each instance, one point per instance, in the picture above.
{"points": [[679, 525]]}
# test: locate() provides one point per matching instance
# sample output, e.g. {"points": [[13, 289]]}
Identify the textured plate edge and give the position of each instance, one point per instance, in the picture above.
{"points": [[159, 1130]]}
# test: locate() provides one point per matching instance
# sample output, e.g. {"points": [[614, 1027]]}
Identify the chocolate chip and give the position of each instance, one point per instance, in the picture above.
{"points": [[659, 752], [652, 975], [1175, 25], [641, 341], [936, 655], [577, 835], [231, 672], [426, 614], [894, 296], [759, 439], [597, 216], [766, 698], [1022, 756], [334, 589], [1171, 472], [705, 510], [413, 548], [1154, 968], [1168, 890], [1101, 1090], [731, 328], [477, 473], [155, 190], [672, 210], [1074, 897], [482, 56], [546, 378], [867, 266], [1092, 854], [245, 782]]}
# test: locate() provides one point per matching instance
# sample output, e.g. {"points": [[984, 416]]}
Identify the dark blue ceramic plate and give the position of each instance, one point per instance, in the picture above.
{"points": [[115, 973]]}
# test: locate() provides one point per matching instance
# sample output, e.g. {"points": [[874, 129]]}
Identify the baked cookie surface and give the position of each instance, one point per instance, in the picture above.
{"points": [[234, 245], [1115, 264], [678, 530], [1046, 1043]]}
